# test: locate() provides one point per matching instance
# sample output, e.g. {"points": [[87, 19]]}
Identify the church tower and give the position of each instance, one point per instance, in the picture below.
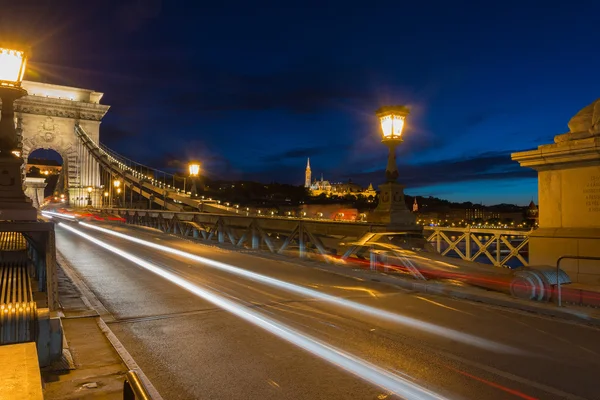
{"points": [[415, 205], [307, 174]]}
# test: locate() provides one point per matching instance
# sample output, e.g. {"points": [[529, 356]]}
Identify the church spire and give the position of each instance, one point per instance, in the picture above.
{"points": [[307, 174], [415, 205]]}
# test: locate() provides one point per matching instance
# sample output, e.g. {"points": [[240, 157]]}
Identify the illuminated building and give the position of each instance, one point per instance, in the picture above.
{"points": [[339, 189]]}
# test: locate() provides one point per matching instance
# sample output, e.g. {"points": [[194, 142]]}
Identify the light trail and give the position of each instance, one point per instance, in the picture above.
{"points": [[59, 215], [367, 310], [355, 365]]}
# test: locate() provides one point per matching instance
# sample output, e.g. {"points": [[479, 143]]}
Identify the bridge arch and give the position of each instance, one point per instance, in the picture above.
{"points": [[46, 119]]}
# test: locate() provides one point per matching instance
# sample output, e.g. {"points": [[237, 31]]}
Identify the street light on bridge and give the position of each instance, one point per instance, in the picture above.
{"points": [[194, 169], [89, 199], [117, 188], [391, 208], [14, 204]]}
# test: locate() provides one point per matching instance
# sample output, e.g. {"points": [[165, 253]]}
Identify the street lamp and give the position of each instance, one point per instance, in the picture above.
{"points": [[391, 208], [117, 185], [194, 169], [392, 123], [89, 199], [14, 204]]}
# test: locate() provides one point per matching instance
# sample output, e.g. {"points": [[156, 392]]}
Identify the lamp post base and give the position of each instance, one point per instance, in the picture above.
{"points": [[14, 203], [392, 209]]}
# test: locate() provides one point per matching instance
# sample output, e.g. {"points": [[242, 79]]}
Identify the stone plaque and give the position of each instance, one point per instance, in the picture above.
{"points": [[580, 197]]}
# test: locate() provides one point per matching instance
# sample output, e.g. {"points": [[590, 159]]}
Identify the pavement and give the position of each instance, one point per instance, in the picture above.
{"points": [[90, 368], [191, 347]]}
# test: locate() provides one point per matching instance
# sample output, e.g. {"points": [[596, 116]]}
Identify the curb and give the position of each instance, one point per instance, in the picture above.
{"points": [[93, 303]]}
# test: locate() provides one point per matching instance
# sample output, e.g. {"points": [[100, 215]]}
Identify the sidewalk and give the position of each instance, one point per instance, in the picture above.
{"points": [[90, 368]]}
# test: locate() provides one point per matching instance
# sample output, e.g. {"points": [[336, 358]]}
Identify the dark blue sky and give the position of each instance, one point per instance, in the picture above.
{"points": [[253, 88]]}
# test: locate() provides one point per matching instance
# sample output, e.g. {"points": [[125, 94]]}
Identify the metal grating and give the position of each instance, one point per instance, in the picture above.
{"points": [[18, 311], [12, 241]]}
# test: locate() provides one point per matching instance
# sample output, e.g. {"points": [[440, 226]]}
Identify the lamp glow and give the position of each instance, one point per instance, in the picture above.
{"points": [[12, 66], [392, 121], [194, 168], [89, 189], [117, 183]]}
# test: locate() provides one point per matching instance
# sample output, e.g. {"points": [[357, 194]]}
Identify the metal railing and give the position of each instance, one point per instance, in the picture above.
{"points": [[133, 387], [277, 235], [28, 288], [500, 247]]}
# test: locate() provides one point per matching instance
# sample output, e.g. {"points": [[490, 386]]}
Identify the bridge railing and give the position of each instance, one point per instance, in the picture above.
{"points": [[304, 238], [146, 185], [500, 247]]}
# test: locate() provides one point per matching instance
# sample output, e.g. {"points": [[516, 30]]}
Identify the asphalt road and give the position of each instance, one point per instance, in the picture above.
{"points": [[191, 348]]}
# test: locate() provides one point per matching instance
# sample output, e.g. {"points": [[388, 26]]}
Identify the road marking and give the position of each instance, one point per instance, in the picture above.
{"points": [[273, 383], [442, 305]]}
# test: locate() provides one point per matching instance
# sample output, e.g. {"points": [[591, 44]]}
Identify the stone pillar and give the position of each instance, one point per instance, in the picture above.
{"points": [[392, 211], [569, 197], [34, 189]]}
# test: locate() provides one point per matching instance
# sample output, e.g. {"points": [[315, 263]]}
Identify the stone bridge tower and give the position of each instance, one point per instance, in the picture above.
{"points": [[46, 119]]}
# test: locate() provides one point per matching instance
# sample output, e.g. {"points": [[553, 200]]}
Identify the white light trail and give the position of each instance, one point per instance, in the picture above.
{"points": [[357, 366], [370, 311], [67, 216]]}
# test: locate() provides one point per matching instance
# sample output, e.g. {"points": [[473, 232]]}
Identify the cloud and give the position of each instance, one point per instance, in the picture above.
{"points": [[485, 166]]}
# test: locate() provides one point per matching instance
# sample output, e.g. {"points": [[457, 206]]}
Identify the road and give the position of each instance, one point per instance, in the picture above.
{"points": [[194, 347]]}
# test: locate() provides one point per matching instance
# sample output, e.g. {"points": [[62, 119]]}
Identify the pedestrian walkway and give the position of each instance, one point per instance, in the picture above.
{"points": [[90, 368]]}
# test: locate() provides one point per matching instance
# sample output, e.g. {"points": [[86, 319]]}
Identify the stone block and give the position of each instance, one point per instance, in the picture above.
{"points": [[20, 377]]}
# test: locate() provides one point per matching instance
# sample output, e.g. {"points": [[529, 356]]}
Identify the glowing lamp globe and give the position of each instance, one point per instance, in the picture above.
{"points": [[12, 66], [89, 189], [392, 122], [194, 169]]}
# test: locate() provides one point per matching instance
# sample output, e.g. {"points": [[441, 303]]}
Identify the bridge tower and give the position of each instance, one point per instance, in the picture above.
{"points": [[46, 119]]}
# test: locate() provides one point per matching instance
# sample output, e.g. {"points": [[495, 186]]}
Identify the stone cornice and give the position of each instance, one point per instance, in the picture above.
{"points": [[569, 153], [61, 108]]}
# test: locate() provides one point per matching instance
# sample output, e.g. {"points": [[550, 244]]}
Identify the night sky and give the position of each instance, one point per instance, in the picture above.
{"points": [[254, 88]]}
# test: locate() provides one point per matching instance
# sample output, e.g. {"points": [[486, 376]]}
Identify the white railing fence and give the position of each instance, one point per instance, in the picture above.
{"points": [[500, 247]]}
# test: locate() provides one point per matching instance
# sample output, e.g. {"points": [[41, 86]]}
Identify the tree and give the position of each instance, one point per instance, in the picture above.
{"points": [[34, 172]]}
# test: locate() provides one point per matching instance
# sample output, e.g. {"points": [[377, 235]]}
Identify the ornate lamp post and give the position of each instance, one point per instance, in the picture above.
{"points": [[14, 204], [89, 198], [194, 169], [117, 190], [392, 209]]}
